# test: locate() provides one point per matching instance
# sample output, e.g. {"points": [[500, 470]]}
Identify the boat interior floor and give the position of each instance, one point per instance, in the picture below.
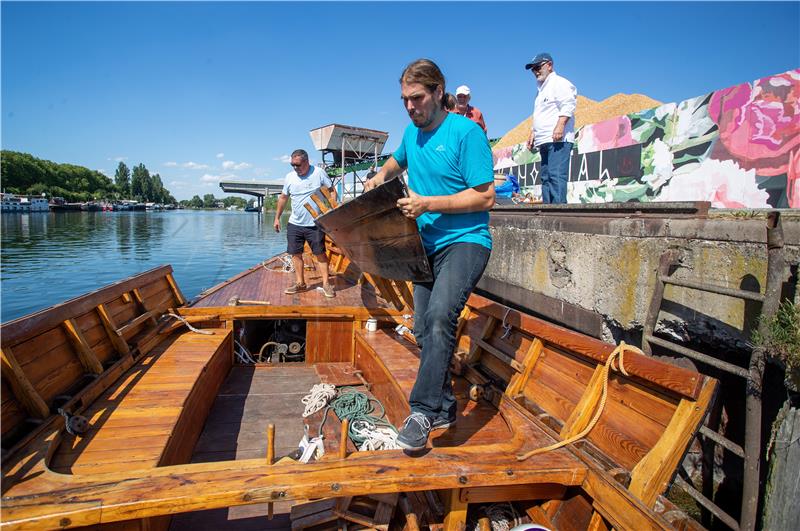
{"points": [[253, 397]]}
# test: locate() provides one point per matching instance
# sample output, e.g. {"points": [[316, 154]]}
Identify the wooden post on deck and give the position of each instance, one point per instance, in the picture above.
{"points": [[343, 439], [270, 458], [455, 518]]}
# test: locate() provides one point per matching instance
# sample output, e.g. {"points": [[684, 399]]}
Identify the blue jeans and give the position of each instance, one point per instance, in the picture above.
{"points": [[437, 305], [555, 166]]}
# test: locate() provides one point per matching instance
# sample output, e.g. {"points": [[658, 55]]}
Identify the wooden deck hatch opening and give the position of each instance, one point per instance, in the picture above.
{"points": [[270, 340]]}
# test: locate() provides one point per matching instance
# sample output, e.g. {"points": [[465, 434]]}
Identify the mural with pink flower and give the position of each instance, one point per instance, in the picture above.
{"points": [[610, 134], [738, 147]]}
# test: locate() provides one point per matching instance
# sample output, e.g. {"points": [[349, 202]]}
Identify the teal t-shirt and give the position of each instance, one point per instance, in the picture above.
{"points": [[453, 157]]}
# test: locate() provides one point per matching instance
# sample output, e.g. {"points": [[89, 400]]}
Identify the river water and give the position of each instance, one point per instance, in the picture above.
{"points": [[47, 258]]}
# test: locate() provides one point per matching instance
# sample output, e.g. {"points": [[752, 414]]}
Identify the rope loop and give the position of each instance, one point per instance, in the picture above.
{"points": [[190, 327], [618, 352], [286, 265], [318, 398], [506, 327]]}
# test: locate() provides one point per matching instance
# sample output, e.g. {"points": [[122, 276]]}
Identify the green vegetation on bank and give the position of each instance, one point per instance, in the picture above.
{"points": [[24, 174], [209, 201], [781, 341]]}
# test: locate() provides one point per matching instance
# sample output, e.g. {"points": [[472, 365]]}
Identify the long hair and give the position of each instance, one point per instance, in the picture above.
{"points": [[426, 73]]}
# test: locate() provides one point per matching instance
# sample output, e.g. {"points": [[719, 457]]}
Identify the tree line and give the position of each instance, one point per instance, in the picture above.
{"points": [[140, 185], [209, 201], [24, 174]]}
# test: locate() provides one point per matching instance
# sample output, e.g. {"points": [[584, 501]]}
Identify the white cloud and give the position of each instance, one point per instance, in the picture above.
{"points": [[104, 172], [170, 164], [213, 179], [220, 155], [286, 159], [231, 165], [179, 184], [195, 166], [118, 159]]}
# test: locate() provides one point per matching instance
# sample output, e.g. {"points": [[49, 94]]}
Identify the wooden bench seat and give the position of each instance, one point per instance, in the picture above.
{"points": [[153, 414]]}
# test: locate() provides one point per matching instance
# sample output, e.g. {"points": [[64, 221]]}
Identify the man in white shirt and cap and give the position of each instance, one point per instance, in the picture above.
{"points": [[553, 128]]}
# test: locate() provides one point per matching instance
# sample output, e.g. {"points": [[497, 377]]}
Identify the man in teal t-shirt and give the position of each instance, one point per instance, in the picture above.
{"points": [[451, 189]]}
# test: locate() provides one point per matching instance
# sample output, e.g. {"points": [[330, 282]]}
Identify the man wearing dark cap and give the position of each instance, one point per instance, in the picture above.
{"points": [[553, 128]]}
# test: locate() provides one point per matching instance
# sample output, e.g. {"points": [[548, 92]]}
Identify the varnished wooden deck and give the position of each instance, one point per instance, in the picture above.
{"points": [[249, 400], [266, 283]]}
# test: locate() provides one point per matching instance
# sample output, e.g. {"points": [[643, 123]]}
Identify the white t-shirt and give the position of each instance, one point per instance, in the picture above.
{"points": [[556, 97], [300, 188]]}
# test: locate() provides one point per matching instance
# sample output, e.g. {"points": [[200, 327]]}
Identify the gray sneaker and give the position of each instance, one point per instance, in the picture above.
{"points": [[441, 423], [295, 288], [328, 292], [414, 433]]}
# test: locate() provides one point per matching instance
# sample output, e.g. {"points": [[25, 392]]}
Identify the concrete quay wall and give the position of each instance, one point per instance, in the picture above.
{"points": [[579, 269]]}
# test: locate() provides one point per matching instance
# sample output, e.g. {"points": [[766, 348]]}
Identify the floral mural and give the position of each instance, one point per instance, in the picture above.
{"points": [[738, 147]]}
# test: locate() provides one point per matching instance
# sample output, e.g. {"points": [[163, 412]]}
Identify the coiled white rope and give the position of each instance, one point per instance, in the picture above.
{"points": [[375, 438], [193, 329], [318, 398], [286, 265]]}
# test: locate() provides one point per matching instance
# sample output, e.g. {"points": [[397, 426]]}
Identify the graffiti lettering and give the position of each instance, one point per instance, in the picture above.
{"points": [[597, 166]]}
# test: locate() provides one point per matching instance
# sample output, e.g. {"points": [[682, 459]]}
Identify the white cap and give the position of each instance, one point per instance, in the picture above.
{"points": [[463, 89]]}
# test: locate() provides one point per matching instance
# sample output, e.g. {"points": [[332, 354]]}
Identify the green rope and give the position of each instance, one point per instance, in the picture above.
{"points": [[356, 407]]}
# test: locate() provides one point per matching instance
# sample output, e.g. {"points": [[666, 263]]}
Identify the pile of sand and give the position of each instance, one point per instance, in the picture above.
{"points": [[587, 111]]}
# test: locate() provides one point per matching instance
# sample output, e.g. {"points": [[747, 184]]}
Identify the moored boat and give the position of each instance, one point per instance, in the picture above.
{"points": [[12, 203]]}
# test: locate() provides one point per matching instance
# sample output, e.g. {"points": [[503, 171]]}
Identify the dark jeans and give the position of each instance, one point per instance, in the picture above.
{"points": [[555, 168], [437, 305]]}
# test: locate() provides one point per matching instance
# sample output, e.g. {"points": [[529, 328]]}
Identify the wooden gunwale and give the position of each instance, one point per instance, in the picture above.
{"points": [[678, 380], [46, 498], [19, 330]]}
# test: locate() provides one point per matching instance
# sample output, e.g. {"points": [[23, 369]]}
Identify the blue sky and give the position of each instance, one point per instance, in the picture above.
{"points": [[199, 91]]}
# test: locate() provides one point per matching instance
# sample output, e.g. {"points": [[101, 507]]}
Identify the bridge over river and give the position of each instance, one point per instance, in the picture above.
{"points": [[260, 189]]}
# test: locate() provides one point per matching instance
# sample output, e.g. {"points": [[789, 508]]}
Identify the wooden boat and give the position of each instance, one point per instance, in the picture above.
{"points": [[116, 415]]}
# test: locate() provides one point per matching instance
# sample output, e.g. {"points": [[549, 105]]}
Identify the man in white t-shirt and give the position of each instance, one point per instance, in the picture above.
{"points": [[553, 128], [301, 183]]}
